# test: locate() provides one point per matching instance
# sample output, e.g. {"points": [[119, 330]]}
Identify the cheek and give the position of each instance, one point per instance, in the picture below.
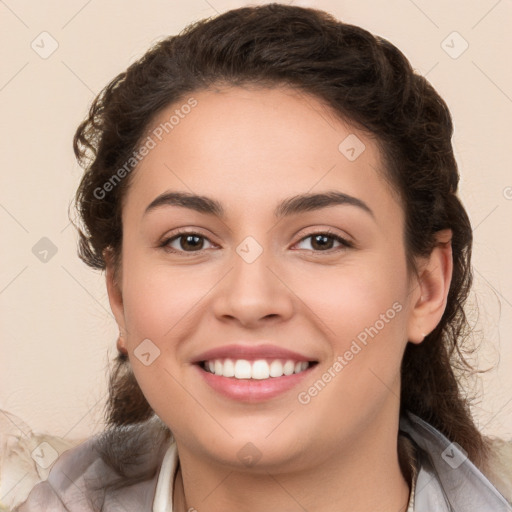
{"points": [[364, 316], [354, 302], [365, 325], [160, 305], [160, 300], [365, 310]]}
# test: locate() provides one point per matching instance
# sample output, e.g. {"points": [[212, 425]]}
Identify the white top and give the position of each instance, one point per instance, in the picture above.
{"points": [[410, 508], [164, 487]]}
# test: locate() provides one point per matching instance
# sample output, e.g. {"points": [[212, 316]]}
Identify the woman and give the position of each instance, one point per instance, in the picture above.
{"points": [[273, 196]]}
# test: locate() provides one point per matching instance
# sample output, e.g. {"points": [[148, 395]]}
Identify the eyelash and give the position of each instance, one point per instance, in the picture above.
{"points": [[345, 244]]}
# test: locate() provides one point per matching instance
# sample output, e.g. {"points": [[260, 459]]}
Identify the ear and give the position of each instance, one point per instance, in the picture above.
{"points": [[431, 289], [114, 290]]}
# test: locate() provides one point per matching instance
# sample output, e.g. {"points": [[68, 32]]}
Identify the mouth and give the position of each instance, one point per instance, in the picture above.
{"points": [[259, 369], [253, 381]]}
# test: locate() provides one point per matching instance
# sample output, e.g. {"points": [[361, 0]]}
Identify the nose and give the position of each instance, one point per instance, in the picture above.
{"points": [[253, 294]]}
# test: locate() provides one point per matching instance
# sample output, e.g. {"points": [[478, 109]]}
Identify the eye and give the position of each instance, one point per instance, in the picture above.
{"points": [[323, 242], [190, 242], [185, 241]]}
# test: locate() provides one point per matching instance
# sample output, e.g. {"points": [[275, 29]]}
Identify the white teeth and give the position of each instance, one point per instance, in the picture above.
{"points": [[242, 369], [289, 367], [228, 369], [259, 369], [276, 369]]}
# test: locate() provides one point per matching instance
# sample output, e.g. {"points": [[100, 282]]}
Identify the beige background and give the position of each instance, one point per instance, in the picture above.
{"points": [[57, 332]]}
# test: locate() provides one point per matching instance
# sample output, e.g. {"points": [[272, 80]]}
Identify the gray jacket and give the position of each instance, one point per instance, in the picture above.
{"points": [[446, 480]]}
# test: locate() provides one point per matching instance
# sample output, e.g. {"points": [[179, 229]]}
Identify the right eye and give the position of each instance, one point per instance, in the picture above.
{"points": [[184, 242]]}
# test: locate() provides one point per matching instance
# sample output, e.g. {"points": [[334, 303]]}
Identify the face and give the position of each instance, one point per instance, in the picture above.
{"points": [[305, 298]]}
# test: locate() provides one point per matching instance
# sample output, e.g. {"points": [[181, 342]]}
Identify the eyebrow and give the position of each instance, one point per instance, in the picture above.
{"points": [[290, 206]]}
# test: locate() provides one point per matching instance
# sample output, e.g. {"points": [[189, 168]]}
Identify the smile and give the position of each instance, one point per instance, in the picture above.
{"points": [[253, 381], [259, 369]]}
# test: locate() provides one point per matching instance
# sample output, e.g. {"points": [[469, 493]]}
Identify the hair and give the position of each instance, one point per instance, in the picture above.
{"points": [[363, 79]]}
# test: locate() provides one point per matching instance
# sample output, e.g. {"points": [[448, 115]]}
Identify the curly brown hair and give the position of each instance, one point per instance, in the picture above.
{"points": [[363, 78]]}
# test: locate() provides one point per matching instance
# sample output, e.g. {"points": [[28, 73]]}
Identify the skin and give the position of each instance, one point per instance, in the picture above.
{"points": [[249, 149]]}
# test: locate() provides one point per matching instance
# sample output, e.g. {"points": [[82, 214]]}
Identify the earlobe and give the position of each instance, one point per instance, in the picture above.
{"points": [[430, 297], [121, 347]]}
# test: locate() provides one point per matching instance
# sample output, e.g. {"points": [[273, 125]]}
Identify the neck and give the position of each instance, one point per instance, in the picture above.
{"points": [[365, 477]]}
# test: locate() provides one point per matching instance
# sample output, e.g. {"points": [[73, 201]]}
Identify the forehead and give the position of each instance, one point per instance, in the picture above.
{"points": [[253, 145]]}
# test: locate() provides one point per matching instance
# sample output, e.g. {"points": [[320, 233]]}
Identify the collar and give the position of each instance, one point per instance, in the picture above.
{"points": [[164, 488], [445, 480], [410, 507]]}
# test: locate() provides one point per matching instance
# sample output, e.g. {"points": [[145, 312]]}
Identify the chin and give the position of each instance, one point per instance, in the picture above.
{"points": [[255, 450]]}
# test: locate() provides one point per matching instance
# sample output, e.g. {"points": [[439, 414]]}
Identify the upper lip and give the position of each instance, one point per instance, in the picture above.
{"points": [[250, 352]]}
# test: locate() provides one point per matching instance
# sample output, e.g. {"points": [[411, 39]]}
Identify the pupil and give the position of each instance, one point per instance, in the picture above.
{"points": [[188, 238], [324, 241]]}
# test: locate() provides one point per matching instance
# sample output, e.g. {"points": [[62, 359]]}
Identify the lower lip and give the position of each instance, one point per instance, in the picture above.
{"points": [[253, 390]]}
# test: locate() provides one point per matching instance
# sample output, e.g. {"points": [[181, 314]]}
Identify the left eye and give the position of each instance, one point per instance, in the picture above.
{"points": [[321, 242]]}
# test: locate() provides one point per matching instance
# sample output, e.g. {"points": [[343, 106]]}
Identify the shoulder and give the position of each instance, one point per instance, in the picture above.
{"points": [[450, 479], [26, 458], [99, 473], [65, 486], [499, 466]]}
